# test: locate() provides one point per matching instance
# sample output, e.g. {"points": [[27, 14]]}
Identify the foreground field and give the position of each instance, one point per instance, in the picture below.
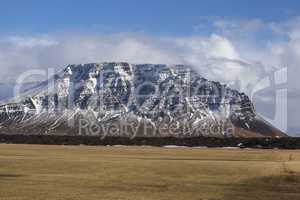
{"points": [[79, 172]]}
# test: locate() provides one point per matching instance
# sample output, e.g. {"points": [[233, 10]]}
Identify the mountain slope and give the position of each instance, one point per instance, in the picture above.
{"points": [[133, 100]]}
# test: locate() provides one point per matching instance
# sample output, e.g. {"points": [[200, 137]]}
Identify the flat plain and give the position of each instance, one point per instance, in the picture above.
{"points": [[41, 172]]}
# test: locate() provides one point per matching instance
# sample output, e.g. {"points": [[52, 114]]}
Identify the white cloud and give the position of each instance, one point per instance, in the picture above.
{"points": [[30, 42], [210, 56], [246, 59]]}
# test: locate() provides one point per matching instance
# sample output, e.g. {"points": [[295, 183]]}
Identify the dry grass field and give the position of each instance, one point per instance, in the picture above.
{"points": [[34, 172]]}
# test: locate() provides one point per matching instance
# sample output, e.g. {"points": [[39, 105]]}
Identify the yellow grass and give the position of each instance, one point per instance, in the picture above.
{"points": [[79, 172]]}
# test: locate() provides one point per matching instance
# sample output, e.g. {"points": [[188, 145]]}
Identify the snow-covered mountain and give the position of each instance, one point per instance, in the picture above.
{"points": [[122, 99]]}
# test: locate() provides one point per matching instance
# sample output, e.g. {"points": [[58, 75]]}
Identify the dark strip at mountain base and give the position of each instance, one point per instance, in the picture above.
{"points": [[263, 143]]}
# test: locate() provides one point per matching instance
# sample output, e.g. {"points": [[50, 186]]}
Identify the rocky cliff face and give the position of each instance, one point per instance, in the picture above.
{"points": [[133, 100]]}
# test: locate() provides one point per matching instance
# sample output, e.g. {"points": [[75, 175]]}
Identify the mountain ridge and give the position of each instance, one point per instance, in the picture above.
{"points": [[144, 97]]}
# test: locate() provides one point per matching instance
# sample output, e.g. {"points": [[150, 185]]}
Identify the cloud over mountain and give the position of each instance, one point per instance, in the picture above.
{"points": [[237, 52]]}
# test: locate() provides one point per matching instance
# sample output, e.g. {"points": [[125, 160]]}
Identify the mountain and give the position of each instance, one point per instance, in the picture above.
{"points": [[122, 99]]}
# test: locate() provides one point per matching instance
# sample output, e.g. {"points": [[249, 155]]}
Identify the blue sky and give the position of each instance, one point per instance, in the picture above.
{"points": [[237, 42], [154, 17]]}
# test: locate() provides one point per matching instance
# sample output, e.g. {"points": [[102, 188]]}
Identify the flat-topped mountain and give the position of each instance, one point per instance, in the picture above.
{"points": [[122, 99]]}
